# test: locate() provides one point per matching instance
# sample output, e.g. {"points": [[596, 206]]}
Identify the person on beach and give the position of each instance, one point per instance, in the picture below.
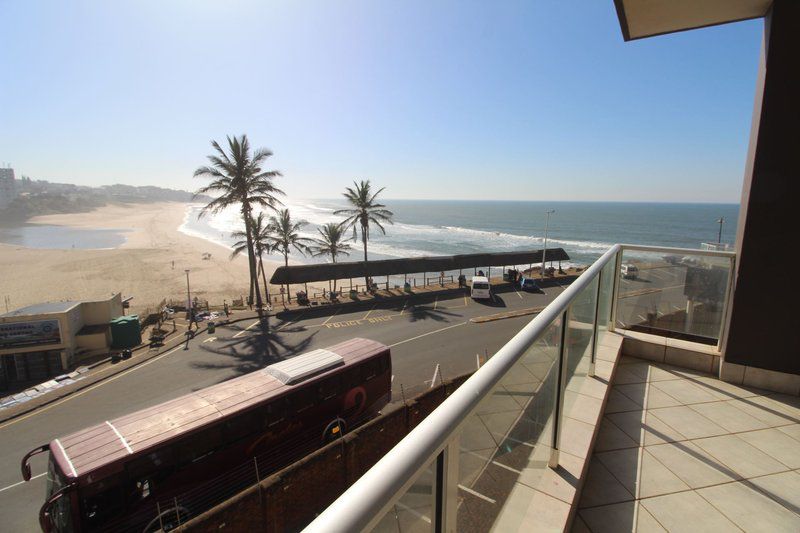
{"points": [[225, 308], [441, 278]]}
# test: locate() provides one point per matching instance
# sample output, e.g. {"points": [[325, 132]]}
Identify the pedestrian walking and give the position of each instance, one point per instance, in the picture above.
{"points": [[225, 308]]}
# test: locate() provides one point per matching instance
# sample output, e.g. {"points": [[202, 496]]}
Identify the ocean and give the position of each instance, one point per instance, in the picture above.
{"points": [[446, 227]]}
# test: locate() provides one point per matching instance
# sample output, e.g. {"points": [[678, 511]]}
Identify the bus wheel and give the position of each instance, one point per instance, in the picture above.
{"points": [[334, 431], [170, 518]]}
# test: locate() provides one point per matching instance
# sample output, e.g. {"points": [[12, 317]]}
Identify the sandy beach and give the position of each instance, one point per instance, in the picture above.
{"points": [[142, 267]]}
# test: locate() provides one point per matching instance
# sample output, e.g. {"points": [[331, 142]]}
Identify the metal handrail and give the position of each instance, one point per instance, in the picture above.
{"points": [[369, 498], [366, 502], [683, 251]]}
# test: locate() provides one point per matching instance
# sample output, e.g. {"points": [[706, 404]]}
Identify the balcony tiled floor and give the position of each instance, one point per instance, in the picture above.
{"points": [[679, 450]]}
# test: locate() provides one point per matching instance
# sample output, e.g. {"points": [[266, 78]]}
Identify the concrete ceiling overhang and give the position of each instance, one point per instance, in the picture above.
{"points": [[646, 18]]}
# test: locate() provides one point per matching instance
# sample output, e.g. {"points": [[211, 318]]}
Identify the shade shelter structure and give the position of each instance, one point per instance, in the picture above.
{"points": [[295, 274]]}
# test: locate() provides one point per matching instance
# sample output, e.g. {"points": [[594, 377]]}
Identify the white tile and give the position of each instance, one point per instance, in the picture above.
{"points": [[601, 487], [784, 488], [728, 417], [739, 456], [692, 464], [684, 391], [751, 510], [686, 511], [641, 473], [776, 444], [610, 437], [689, 423]]}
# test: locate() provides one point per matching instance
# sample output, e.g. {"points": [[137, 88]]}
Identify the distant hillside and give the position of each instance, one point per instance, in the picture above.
{"points": [[35, 197]]}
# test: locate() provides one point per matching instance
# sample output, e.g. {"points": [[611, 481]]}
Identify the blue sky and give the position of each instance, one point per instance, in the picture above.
{"points": [[538, 100]]}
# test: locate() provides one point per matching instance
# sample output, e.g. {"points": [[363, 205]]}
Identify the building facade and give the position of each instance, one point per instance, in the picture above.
{"points": [[45, 340], [8, 187]]}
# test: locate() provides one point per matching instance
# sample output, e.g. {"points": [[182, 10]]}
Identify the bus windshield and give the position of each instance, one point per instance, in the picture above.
{"points": [[60, 510]]}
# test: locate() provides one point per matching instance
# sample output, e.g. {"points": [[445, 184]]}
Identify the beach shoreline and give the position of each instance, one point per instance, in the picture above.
{"points": [[149, 266]]}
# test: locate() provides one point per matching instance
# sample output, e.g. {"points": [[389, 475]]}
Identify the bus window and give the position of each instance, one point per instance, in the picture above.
{"points": [[370, 369], [100, 507], [61, 509], [328, 388], [241, 426], [197, 446], [159, 463], [302, 400], [350, 378], [275, 412]]}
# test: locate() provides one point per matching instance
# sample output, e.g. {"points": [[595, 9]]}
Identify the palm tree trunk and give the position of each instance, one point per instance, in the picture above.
{"points": [[251, 256], [333, 258], [264, 278], [364, 240], [286, 262]]}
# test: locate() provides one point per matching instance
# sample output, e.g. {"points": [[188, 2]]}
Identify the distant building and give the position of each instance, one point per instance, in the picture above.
{"points": [[8, 187], [45, 340]]}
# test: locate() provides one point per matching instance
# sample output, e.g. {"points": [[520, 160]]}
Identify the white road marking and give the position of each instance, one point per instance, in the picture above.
{"points": [[333, 315], [426, 334], [210, 339], [245, 329], [21, 482], [475, 493], [368, 312], [403, 310], [518, 294], [436, 302], [642, 317]]}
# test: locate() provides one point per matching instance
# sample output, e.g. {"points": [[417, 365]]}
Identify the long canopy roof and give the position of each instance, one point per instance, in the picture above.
{"points": [[388, 267]]}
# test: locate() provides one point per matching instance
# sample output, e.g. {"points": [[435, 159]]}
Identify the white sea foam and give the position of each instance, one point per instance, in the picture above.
{"points": [[402, 239]]}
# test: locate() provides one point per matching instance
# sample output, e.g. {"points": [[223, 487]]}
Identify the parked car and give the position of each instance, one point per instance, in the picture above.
{"points": [[480, 288], [629, 271], [529, 284]]}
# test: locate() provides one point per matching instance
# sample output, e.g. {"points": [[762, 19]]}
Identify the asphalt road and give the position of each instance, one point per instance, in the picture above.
{"points": [[422, 332]]}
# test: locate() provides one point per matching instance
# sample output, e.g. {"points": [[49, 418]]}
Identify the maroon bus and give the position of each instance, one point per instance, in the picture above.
{"points": [[159, 466]]}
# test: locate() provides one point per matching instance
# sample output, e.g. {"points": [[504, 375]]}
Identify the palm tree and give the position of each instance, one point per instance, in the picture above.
{"points": [[284, 236], [238, 176], [364, 211], [262, 244], [331, 242]]}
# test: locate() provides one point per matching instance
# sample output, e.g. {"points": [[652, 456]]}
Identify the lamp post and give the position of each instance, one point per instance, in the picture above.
{"points": [[721, 221], [544, 251], [188, 297]]}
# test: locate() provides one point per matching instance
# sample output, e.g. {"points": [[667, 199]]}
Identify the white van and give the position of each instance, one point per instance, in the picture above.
{"points": [[629, 271], [480, 288]]}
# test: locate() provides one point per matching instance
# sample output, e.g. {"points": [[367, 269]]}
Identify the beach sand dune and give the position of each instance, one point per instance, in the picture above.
{"points": [[142, 267]]}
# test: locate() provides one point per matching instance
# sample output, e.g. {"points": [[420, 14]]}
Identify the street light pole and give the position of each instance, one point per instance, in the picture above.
{"points": [[188, 296], [544, 251], [720, 222]]}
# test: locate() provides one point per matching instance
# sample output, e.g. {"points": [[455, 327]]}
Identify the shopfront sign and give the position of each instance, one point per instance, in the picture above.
{"points": [[31, 333]]}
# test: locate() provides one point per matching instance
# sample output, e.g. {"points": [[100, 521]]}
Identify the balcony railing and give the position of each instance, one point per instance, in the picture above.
{"points": [[454, 470]]}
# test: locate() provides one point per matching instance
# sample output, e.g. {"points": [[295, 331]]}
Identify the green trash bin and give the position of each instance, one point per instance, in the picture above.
{"points": [[211, 327], [353, 294]]}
